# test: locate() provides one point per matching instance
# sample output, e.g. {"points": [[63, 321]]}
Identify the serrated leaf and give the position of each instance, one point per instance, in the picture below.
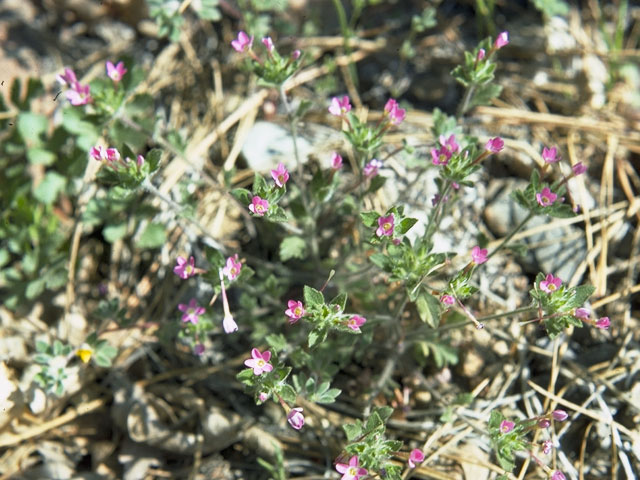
{"points": [[429, 309], [352, 431], [312, 296], [292, 247]]}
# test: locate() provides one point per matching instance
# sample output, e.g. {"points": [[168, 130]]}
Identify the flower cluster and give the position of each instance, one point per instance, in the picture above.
{"points": [[77, 94]]}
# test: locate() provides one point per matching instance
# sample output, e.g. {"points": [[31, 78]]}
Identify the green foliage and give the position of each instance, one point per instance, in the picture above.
{"points": [[551, 8], [170, 19]]}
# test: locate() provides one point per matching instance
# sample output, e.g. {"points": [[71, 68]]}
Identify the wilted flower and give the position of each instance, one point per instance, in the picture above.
{"points": [[579, 168], [581, 313], [547, 446], [336, 161]]}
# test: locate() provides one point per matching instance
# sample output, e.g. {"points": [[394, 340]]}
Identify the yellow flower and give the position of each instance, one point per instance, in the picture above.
{"points": [[84, 354]]}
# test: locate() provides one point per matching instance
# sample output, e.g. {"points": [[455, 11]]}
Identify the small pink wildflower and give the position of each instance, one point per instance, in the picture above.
{"points": [[296, 418], [450, 143], [295, 311], [242, 43], [447, 299], [280, 175], [228, 323], [79, 94], [544, 423], [115, 72], [480, 55], [416, 456], [198, 349], [559, 415], [479, 255], [582, 313], [336, 161], [259, 206], [268, 43], [546, 197], [558, 475], [501, 40], [139, 160], [396, 114], [370, 170], [339, 107], [259, 361], [603, 323], [547, 446], [440, 156], [232, 268], [494, 145], [352, 471], [263, 397], [385, 226], [185, 269], [506, 426], [295, 55], [579, 169], [355, 322], [68, 78], [191, 311], [550, 283], [550, 155]]}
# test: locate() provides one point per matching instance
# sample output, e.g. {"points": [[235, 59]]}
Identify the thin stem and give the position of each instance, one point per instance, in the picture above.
{"points": [[510, 236], [466, 100], [346, 34]]}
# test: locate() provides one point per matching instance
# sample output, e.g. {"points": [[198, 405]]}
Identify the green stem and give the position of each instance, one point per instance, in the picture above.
{"points": [[466, 100], [510, 236], [346, 35]]}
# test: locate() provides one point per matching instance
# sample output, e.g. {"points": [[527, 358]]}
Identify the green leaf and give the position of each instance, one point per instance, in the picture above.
{"points": [[485, 93], [580, 295], [102, 360], [154, 236], [340, 300], [48, 189], [41, 347], [370, 219], [352, 431], [32, 126], [113, 233], [428, 309], [242, 195], [312, 296], [40, 156], [293, 247], [277, 342], [405, 225], [288, 393], [316, 336]]}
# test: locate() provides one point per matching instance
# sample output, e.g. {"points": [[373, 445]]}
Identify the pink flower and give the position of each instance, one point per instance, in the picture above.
{"points": [[116, 72], [447, 299], [336, 161], [396, 114], [501, 40], [68, 78], [139, 160], [295, 311], [581, 313], [370, 170], [506, 426], [355, 322], [295, 55], [280, 175], [295, 418], [494, 145], [339, 107], [450, 143], [550, 155], [544, 423], [259, 361], [352, 471], [558, 475], [416, 456], [242, 43], [98, 153], [233, 267], [79, 94], [198, 349], [385, 225], [228, 323], [479, 255], [185, 269], [547, 446], [603, 323], [579, 169], [268, 43], [259, 206], [440, 156], [546, 197], [559, 415], [191, 311], [550, 283], [263, 397], [480, 55]]}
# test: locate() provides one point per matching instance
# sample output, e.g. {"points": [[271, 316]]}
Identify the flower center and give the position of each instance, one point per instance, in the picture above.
{"points": [[298, 311], [386, 226], [551, 287], [260, 363], [352, 471], [188, 269]]}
